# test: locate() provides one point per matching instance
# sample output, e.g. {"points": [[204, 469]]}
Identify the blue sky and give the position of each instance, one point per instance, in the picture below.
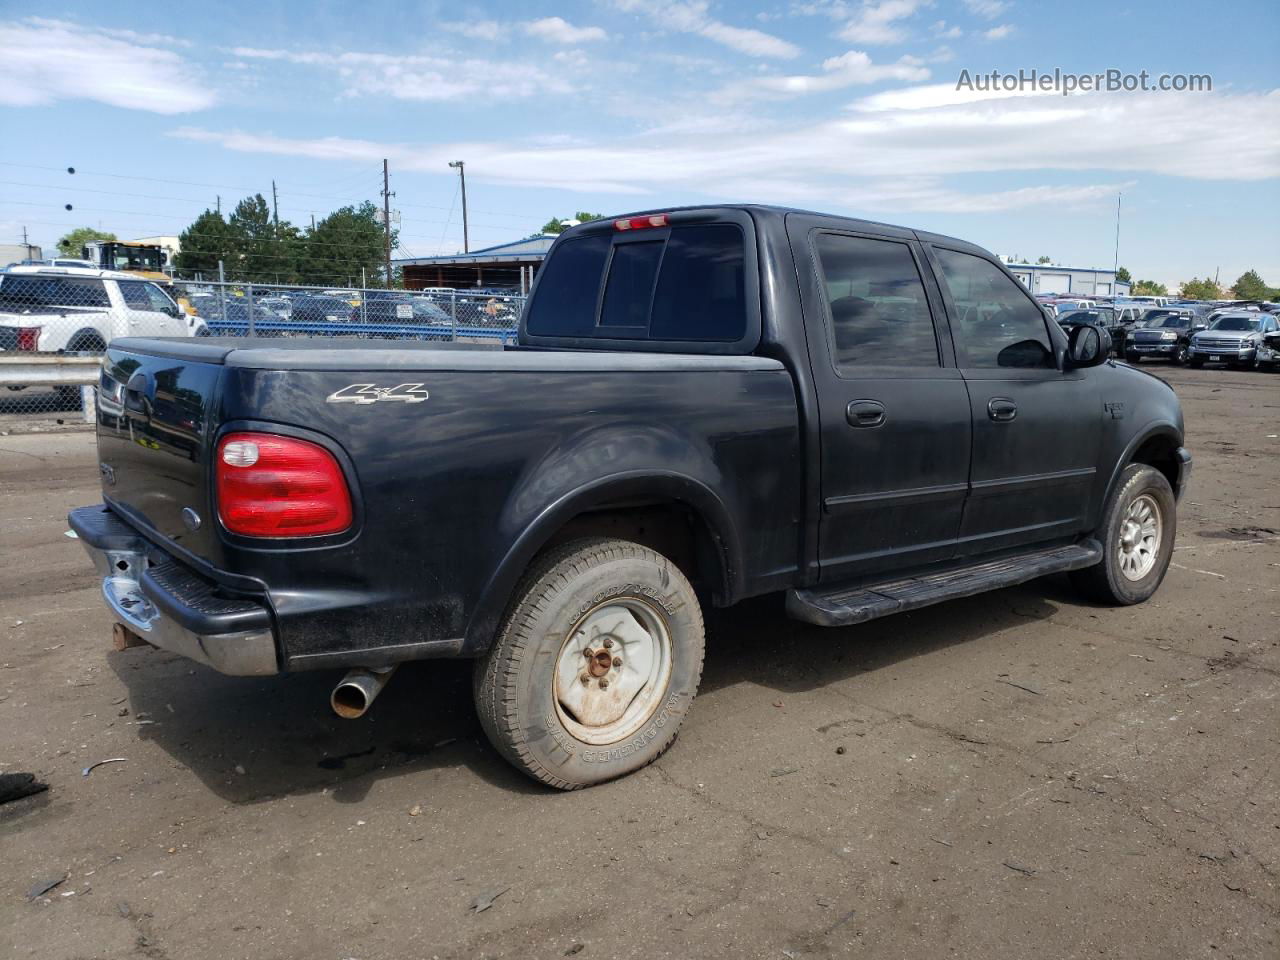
{"points": [[848, 107]]}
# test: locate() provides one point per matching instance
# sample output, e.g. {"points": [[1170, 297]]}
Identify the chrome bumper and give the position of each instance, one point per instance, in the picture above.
{"points": [[171, 608]]}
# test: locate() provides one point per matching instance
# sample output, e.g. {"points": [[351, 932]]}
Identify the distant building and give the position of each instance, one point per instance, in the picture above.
{"points": [[17, 252], [508, 265], [1082, 281]]}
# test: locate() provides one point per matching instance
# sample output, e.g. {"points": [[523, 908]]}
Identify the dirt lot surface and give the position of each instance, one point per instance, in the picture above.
{"points": [[1013, 775]]}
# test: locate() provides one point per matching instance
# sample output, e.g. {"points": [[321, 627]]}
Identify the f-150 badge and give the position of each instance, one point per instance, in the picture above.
{"points": [[363, 393]]}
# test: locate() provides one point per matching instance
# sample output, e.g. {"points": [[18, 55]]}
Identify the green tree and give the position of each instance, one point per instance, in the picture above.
{"points": [[342, 244], [556, 225], [71, 244], [1250, 286], [1122, 275], [1045, 260], [203, 244], [1149, 288], [1204, 289], [253, 241]]}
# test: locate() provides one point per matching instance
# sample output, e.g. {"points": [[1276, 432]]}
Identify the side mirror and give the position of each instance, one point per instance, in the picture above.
{"points": [[1087, 347]]}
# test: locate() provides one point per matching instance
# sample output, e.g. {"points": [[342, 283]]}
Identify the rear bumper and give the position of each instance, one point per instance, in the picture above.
{"points": [[171, 607], [1183, 456]]}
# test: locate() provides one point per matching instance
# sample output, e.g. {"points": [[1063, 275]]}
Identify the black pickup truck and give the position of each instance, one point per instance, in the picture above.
{"points": [[704, 405]]}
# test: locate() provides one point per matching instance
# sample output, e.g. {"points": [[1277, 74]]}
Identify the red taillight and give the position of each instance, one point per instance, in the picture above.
{"points": [[274, 486], [29, 338], [641, 223]]}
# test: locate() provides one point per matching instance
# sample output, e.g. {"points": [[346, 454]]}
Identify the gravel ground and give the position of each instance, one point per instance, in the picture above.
{"points": [[1013, 775]]}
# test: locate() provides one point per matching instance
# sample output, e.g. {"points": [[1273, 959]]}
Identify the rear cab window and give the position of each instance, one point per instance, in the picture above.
{"points": [[34, 291], [687, 286]]}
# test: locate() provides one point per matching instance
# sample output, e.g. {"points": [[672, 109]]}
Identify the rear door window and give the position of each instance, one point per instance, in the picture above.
{"points": [[878, 308]]}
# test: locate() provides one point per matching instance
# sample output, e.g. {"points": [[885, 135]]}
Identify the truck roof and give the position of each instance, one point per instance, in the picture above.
{"points": [[767, 209], [44, 269]]}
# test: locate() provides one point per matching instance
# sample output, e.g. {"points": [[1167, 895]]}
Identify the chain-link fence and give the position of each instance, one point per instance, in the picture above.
{"points": [[54, 323]]}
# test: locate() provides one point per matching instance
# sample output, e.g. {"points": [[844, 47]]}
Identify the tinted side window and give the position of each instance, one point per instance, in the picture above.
{"points": [[879, 313], [630, 287], [134, 293], [159, 300], [995, 324], [565, 305], [701, 293]]}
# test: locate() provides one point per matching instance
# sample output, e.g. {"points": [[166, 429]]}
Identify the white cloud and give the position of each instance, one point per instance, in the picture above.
{"points": [[877, 23], [45, 61], [987, 9], [854, 68], [475, 29], [894, 158], [998, 33], [690, 16], [424, 77], [940, 29], [558, 30]]}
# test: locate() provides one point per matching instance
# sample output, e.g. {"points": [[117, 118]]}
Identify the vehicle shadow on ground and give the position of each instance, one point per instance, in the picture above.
{"points": [[755, 642], [282, 734]]}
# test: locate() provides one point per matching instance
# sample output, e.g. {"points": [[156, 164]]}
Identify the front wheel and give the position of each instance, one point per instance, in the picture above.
{"points": [[1180, 356], [1137, 533], [1133, 358], [595, 665]]}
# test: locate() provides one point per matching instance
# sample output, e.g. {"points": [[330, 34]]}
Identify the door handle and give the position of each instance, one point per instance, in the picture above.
{"points": [[1002, 409], [865, 413]]}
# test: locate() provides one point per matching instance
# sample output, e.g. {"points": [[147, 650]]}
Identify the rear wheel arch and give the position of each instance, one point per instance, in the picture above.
{"points": [[674, 515], [86, 339]]}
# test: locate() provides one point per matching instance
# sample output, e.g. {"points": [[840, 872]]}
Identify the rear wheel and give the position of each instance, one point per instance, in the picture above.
{"points": [[595, 664], [1137, 533]]}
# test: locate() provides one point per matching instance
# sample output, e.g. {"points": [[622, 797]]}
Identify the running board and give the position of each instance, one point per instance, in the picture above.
{"points": [[842, 606]]}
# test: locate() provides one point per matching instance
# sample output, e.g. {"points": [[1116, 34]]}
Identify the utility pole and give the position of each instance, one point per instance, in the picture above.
{"points": [[1116, 269], [275, 207], [219, 196], [386, 216], [462, 176]]}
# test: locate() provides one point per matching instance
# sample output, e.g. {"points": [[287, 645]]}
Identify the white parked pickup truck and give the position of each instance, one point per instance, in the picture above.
{"points": [[80, 310]]}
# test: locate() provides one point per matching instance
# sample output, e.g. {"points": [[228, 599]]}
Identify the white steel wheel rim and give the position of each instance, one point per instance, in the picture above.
{"points": [[1139, 540], [613, 670]]}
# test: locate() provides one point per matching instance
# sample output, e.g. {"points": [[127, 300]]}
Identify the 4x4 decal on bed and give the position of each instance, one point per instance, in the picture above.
{"points": [[363, 393]]}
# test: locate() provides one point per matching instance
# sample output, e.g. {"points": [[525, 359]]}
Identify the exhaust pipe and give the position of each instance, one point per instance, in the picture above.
{"points": [[355, 694]]}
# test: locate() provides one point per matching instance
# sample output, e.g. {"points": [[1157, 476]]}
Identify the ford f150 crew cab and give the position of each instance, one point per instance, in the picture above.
{"points": [[704, 405]]}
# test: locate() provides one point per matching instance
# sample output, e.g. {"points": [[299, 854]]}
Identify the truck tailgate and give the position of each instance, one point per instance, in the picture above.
{"points": [[154, 428]]}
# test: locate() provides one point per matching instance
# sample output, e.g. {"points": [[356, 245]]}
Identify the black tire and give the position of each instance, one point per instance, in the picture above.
{"points": [[1133, 358], [1180, 356], [87, 343], [1106, 582], [516, 682]]}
